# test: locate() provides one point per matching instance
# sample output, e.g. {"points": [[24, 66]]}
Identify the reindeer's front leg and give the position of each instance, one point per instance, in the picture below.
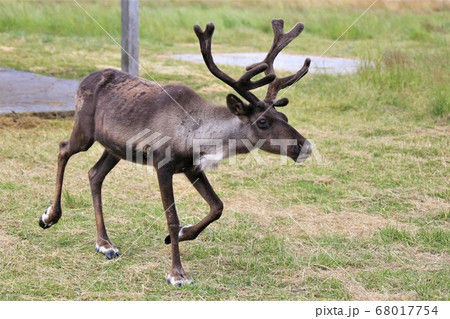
{"points": [[177, 275], [202, 185]]}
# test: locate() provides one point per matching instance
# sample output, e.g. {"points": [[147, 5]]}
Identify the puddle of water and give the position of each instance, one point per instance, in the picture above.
{"points": [[29, 92], [287, 62]]}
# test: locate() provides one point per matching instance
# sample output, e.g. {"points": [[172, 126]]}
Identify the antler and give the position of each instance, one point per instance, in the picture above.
{"points": [[244, 84], [280, 41]]}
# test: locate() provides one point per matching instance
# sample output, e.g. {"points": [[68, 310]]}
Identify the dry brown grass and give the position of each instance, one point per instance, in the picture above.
{"points": [[395, 59], [308, 218], [22, 122]]}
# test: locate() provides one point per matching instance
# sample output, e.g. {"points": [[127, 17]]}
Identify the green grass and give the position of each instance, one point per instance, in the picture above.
{"points": [[368, 222], [326, 289], [429, 239], [426, 285]]}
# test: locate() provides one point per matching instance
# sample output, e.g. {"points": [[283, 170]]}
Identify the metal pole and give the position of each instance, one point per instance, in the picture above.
{"points": [[130, 36]]}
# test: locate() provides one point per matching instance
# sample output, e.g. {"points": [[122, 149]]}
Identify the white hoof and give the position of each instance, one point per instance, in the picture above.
{"points": [[110, 252], [45, 215], [178, 282], [43, 221]]}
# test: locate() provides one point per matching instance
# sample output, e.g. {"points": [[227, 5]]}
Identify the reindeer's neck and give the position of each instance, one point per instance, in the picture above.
{"points": [[225, 132]]}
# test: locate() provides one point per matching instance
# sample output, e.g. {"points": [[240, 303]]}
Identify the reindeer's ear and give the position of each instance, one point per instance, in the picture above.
{"points": [[236, 106]]}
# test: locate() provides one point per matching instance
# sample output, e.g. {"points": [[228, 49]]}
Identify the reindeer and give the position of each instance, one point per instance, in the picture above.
{"points": [[113, 107]]}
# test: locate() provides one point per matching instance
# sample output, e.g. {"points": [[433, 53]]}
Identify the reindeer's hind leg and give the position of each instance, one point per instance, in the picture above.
{"points": [[79, 141], [97, 175]]}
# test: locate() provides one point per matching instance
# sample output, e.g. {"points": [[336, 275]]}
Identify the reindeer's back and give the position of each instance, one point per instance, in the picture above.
{"points": [[123, 106]]}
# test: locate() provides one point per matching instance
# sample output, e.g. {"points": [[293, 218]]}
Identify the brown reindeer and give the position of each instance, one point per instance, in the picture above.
{"points": [[114, 108]]}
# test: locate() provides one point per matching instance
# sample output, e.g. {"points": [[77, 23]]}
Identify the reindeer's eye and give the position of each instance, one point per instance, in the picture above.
{"points": [[262, 123]]}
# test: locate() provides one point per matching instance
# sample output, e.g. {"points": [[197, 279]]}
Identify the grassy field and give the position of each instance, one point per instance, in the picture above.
{"points": [[369, 222]]}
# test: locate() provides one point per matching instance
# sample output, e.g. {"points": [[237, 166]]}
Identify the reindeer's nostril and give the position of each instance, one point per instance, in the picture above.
{"points": [[305, 148], [308, 148]]}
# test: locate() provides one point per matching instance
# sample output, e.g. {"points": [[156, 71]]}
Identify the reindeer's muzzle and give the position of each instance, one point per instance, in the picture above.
{"points": [[305, 151]]}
